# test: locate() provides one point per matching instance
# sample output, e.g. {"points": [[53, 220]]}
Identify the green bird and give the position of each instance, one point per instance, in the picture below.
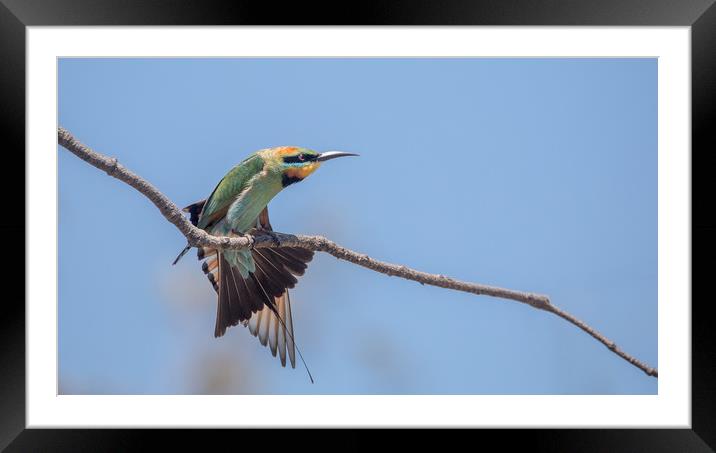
{"points": [[252, 285]]}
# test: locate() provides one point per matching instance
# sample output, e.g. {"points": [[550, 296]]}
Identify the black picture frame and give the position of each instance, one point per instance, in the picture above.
{"points": [[700, 15]]}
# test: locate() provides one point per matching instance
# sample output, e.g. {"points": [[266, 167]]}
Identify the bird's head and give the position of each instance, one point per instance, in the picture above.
{"points": [[295, 164]]}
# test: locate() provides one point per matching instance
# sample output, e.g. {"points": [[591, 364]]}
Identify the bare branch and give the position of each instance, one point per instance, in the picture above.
{"points": [[198, 237]]}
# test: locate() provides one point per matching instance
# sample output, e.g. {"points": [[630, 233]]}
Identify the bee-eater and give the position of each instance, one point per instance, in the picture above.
{"points": [[252, 285]]}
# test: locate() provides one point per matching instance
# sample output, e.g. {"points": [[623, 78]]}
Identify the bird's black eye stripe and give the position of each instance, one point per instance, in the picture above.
{"points": [[298, 158]]}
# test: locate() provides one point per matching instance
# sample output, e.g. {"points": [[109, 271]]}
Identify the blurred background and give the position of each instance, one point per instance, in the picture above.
{"points": [[532, 174]]}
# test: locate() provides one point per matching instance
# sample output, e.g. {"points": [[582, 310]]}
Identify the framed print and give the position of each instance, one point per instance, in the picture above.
{"points": [[530, 167]]}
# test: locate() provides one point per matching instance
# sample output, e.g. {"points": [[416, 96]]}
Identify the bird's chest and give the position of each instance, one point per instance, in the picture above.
{"points": [[251, 201]]}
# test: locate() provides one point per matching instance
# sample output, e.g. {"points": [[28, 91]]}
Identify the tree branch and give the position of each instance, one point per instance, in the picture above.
{"points": [[198, 238]]}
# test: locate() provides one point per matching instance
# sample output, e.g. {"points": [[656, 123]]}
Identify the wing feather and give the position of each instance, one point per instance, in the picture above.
{"points": [[290, 338], [251, 301], [226, 191]]}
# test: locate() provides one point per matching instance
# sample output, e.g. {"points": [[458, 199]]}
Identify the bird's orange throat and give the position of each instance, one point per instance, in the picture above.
{"points": [[302, 171]]}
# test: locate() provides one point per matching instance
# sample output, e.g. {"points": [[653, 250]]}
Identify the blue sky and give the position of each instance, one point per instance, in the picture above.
{"points": [[533, 174]]}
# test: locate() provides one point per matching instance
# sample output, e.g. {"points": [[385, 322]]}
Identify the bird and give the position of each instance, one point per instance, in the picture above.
{"points": [[252, 285]]}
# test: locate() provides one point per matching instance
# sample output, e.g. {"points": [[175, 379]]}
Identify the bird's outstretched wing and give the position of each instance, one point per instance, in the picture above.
{"points": [[260, 299]]}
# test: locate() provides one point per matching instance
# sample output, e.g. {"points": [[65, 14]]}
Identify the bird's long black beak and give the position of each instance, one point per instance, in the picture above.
{"points": [[332, 155]]}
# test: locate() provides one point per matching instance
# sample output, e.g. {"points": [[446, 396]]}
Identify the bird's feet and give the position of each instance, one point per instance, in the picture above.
{"points": [[249, 237]]}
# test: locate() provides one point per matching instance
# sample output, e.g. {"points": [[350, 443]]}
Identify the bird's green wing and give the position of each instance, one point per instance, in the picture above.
{"points": [[228, 189]]}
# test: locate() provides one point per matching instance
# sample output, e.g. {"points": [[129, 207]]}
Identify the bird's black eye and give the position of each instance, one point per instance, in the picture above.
{"points": [[298, 158]]}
